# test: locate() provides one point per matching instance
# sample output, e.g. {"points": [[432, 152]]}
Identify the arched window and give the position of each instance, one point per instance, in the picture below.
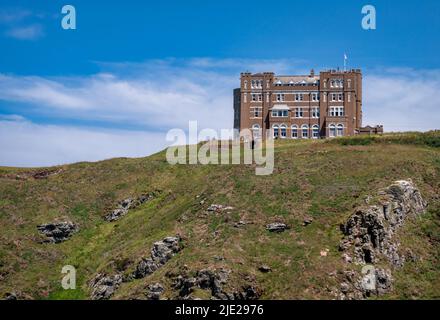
{"points": [[340, 130], [305, 131], [315, 131], [332, 130], [256, 131], [283, 131], [294, 132], [276, 131]]}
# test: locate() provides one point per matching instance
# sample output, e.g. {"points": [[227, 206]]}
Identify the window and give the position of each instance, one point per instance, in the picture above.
{"points": [[315, 112], [280, 113], [340, 97], [305, 131], [333, 96], [336, 112], [245, 84], [315, 96], [257, 112], [280, 97], [315, 131], [299, 97], [283, 131], [276, 131], [340, 130], [332, 130], [256, 131], [332, 84], [349, 97], [294, 132], [341, 83], [256, 97], [349, 83], [299, 112]]}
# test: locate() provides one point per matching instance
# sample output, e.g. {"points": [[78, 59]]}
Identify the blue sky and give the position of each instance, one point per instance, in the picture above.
{"points": [[133, 69]]}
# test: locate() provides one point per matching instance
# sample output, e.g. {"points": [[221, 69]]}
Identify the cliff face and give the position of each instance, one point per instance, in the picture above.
{"points": [[144, 229], [369, 237]]}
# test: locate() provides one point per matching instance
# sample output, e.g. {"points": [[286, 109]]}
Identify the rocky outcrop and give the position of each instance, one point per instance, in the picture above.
{"points": [[58, 231], [154, 291], [219, 208], [370, 230], [161, 252], [104, 286], [214, 281], [277, 227], [126, 205], [369, 238]]}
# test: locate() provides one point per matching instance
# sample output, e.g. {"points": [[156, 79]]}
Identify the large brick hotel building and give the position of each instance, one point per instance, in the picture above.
{"points": [[305, 106]]}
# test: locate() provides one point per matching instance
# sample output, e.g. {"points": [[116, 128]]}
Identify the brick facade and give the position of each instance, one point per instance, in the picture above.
{"points": [[309, 106]]}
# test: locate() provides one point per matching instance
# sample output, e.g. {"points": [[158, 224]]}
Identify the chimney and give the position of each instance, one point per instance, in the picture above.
{"points": [[312, 73]]}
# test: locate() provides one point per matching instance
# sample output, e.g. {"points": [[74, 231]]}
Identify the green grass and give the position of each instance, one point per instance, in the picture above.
{"points": [[322, 179]]}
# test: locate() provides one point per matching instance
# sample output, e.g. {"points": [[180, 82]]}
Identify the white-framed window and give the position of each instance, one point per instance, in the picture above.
{"points": [[315, 112], [294, 130], [305, 131], [332, 83], [315, 96], [299, 97], [341, 83], [315, 131], [257, 112], [340, 130], [299, 113], [332, 130], [349, 83], [333, 96], [280, 97], [283, 131], [256, 131], [336, 111], [276, 131], [257, 97], [280, 113], [340, 97]]}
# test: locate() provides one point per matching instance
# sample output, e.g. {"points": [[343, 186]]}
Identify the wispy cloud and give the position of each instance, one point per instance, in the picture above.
{"points": [[27, 144], [32, 32], [22, 24], [155, 96]]}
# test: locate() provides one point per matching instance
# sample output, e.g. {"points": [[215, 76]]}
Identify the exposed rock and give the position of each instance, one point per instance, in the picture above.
{"points": [[161, 252], [277, 227], [154, 291], [11, 296], [103, 286], [369, 236], [265, 268], [249, 292], [58, 231], [128, 204], [370, 229], [307, 221], [219, 208], [240, 224]]}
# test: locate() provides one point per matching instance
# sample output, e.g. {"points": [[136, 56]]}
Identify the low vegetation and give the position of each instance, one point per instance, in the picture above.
{"points": [[321, 181]]}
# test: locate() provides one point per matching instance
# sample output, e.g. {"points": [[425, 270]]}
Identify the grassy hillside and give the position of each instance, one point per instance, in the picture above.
{"points": [[324, 180]]}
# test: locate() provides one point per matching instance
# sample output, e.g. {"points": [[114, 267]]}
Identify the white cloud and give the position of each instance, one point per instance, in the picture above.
{"points": [[30, 32], [162, 94], [29, 145], [402, 99]]}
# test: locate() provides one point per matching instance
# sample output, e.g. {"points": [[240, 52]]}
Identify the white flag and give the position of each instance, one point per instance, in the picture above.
{"points": [[345, 56]]}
